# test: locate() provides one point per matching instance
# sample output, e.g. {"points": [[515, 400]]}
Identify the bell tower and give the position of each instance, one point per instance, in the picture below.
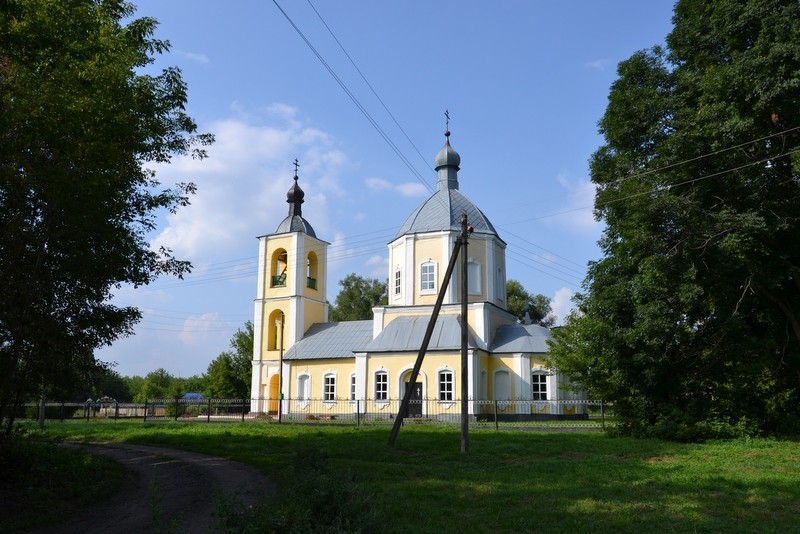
{"points": [[292, 272]]}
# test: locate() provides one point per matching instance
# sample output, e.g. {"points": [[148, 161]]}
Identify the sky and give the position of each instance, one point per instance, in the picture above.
{"points": [[356, 91]]}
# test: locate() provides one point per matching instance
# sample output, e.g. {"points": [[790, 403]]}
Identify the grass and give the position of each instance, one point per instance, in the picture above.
{"points": [[348, 479]]}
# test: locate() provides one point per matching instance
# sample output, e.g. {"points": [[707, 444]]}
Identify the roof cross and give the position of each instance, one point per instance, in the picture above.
{"points": [[296, 166]]}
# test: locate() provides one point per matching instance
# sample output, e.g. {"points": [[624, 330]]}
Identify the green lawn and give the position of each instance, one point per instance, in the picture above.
{"points": [[509, 481]]}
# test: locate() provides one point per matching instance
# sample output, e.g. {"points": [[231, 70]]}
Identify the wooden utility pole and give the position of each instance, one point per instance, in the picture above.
{"points": [[401, 412], [465, 231]]}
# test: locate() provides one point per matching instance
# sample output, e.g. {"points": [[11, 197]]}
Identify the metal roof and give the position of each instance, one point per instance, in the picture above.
{"points": [[406, 334], [295, 223], [442, 212], [331, 340], [521, 338]]}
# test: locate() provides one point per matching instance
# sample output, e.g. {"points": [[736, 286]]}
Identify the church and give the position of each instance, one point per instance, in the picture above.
{"points": [[320, 368]]}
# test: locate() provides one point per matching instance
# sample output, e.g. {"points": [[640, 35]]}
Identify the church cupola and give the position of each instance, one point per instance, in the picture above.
{"points": [[447, 165], [294, 222]]}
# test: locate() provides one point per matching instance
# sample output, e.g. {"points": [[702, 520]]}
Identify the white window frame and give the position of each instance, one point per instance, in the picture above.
{"points": [[539, 386], [397, 282], [329, 387], [381, 394], [474, 282], [353, 387], [445, 387], [303, 390], [428, 277]]}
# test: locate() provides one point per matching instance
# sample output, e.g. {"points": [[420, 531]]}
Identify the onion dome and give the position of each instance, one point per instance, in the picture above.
{"points": [[295, 222]]}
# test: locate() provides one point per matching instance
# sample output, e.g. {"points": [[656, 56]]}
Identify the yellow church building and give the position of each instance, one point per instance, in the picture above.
{"points": [[325, 369]]}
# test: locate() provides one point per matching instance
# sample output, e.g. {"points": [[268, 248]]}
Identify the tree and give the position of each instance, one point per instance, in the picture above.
{"points": [[229, 374], [80, 124], [357, 298], [690, 322], [520, 302]]}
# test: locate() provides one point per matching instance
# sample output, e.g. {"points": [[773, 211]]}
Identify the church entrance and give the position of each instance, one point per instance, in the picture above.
{"points": [[415, 401]]}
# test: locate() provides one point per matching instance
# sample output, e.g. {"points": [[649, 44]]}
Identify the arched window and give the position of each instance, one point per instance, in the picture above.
{"points": [[502, 385], [303, 387], [275, 329], [445, 384], [329, 387], [397, 278], [278, 267], [539, 385], [381, 386], [311, 271], [427, 277]]}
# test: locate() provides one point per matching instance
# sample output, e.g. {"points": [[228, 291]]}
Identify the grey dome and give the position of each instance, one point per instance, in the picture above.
{"points": [[442, 211], [295, 223], [447, 157]]}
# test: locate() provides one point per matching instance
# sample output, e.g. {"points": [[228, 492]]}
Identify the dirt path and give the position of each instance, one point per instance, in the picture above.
{"points": [[169, 491]]}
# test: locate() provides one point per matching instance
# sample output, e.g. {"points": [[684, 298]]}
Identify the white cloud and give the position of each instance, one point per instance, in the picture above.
{"points": [[249, 166], [597, 64], [408, 189], [377, 266], [196, 328], [578, 213], [192, 56], [562, 304]]}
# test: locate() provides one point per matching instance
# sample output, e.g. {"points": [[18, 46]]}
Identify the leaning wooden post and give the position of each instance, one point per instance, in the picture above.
{"points": [[428, 333], [465, 230]]}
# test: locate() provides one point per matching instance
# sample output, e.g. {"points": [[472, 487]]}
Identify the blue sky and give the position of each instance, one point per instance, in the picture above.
{"points": [[525, 83]]}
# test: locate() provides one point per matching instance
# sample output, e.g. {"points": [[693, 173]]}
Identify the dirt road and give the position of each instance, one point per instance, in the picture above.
{"points": [[169, 491]]}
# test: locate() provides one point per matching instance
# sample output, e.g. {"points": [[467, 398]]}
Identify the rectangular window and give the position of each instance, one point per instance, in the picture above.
{"points": [[329, 393], [397, 282], [352, 387], [381, 386], [427, 277], [474, 278], [445, 385], [539, 386]]}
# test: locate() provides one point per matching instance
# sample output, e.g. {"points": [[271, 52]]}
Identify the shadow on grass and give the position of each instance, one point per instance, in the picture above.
{"points": [[337, 479]]}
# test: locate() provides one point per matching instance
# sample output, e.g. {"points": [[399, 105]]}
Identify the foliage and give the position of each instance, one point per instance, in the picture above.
{"points": [[520, 302], [229, 375], [77, 201], [357, 298], [690, 322], [43, 482], [604, 484]]}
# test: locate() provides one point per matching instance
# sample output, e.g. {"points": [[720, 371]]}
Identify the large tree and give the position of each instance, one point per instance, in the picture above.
{"points": [[357, 298], [690, 322], [521, 303], [79, 123]]}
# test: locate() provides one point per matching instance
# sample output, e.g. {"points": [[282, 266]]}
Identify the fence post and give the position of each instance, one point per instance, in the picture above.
{"points": [[243, 409], [145, 411], [208, 412], [602, 415], [358, 413], [116, 411], [62, 411], [496, 424]]}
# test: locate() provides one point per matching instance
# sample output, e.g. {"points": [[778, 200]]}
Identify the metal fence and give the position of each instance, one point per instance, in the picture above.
{"points": [[539, 414]]}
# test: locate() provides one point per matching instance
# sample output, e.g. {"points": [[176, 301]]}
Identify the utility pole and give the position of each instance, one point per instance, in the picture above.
{"points": [[465, 231]]}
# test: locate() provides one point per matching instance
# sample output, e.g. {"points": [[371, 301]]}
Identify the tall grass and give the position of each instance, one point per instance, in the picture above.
{"points": [[348, 479]]}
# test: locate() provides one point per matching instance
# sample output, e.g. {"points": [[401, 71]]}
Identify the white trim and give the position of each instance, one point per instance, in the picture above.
{"points": [[429, 291]]}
